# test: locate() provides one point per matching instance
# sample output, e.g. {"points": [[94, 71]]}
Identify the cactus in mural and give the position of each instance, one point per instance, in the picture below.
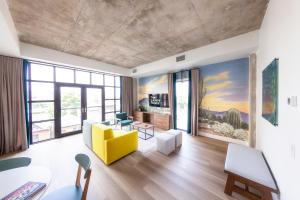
{"points": [[233, 117]]}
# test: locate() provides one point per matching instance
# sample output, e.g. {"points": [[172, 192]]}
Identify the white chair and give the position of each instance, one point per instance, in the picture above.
{"points": [[165, 143]]}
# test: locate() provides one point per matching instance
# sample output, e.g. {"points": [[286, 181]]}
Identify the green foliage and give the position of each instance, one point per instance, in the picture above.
{"points": [[245, 126], [43, 108], [233, 117], [220, 119], [69, 100], [210, 122]]}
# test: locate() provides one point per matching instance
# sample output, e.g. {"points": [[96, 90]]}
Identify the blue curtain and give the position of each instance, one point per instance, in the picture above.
{"points": [[174, 102], [189, 103], [25, 77]]}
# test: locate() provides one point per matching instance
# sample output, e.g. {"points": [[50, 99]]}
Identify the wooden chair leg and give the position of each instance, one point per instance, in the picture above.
{"points": [[86, 186], [229, 185], [78, 176]]}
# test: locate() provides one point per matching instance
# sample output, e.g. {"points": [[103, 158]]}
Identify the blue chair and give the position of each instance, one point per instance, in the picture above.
{"points": [[123, 119], [14, 163], [75, 192]]}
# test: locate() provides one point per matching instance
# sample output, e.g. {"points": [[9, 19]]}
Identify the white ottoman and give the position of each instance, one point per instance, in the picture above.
{"points": [[178, 136], [165, 143]]}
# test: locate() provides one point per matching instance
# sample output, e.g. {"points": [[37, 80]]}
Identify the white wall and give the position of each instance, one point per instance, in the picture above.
{"points": [[9, 42], [29, 51], [233, 48], [280, 38]]}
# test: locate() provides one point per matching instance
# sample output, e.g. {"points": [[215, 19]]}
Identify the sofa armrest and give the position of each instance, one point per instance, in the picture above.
{"points": [[120, 146]]}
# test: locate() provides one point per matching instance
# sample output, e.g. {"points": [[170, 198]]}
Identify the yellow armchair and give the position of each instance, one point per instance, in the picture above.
{"points": [[112, 145]]}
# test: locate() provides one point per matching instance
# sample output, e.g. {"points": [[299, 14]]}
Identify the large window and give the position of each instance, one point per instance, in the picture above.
{"points": [[182, 95], [112, 97], [43, 82], [41, 102]]}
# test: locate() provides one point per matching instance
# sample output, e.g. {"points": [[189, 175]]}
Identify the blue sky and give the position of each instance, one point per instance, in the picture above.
{"points": [[227, 85], [238, 71]]}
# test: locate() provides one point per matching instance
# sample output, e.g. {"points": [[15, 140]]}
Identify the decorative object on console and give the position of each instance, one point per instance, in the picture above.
{"points": [[142, 108], [270, 93]]}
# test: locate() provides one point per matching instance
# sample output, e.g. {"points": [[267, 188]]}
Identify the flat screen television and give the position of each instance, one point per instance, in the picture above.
{"points": [[159, 100]]}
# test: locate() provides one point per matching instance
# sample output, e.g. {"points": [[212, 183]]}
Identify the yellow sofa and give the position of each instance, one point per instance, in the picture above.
{"points": [[112, 145]]}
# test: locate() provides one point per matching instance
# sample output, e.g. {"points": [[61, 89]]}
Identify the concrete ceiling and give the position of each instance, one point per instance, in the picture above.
{"points": [[129, 33]]}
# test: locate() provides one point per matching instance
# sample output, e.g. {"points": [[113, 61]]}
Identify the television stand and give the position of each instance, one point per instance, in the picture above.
{"points": [[159, 120]]}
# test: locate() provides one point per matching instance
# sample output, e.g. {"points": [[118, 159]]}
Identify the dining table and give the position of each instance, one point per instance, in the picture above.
{"points": [[12, 179]]}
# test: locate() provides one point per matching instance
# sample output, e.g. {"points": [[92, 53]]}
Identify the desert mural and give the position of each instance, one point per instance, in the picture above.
{"points": [[224, 99], [157, 84]]}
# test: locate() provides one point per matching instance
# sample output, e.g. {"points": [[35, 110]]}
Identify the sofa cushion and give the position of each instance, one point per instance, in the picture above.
{"points": [[106, 131], [100, 133]]}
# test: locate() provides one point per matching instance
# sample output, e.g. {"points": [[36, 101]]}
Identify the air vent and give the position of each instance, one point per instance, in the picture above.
{"points": [[180, 58], [134, 71]]}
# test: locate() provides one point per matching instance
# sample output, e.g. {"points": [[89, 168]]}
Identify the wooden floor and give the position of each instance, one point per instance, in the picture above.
{"points": [[194, 172]]}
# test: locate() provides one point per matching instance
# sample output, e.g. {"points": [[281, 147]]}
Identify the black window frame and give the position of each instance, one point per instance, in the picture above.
{"points": [[112, 99], [55, 82]]}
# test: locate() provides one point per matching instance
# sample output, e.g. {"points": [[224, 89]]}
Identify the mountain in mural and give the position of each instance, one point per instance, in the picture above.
{"points": [[244, 116]]}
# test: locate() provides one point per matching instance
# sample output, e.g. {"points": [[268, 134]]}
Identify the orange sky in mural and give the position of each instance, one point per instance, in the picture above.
{"points": [[219, 88], [214, 102], [268, 108], [152, 85]]}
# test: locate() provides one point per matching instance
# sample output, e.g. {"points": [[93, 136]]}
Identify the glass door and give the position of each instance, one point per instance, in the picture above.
{"points": [[94, 104], [69, 109], [75, 103], [182, 88]]}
